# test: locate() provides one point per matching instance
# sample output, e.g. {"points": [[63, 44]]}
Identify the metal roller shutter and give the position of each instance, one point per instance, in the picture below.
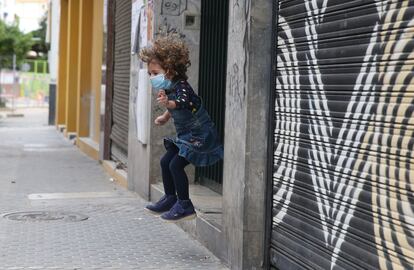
{"points": [[343, 167], [122, 53]]}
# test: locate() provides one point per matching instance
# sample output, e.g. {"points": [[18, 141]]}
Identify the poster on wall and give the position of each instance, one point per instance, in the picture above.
{"points": [[143, 29], [149, 17], [136, 14], [142, 106], [139, 40]]}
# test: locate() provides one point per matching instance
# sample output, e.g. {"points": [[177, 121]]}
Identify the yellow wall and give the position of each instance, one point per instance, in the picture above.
{"points": [[80, 71], [72, 67], [84, 87]]}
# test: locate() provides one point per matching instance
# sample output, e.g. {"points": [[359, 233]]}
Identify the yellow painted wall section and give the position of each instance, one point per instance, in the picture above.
{"points": [[84, 87], [72, 67], [97, 45], [62, 65]]}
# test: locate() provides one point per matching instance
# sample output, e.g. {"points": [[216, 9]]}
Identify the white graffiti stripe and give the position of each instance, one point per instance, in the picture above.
{"points": [[290, 76], [325, 185], [318, 131]]}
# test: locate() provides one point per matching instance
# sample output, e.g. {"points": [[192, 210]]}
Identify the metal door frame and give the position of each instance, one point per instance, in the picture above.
{"points": [[109, 85], [270, 140]]}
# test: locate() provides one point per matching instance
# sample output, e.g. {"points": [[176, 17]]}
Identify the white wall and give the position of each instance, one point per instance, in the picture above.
{"points": [[54, 39]]}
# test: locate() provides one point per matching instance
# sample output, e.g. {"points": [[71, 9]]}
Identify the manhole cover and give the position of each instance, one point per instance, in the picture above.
{"points": [[46, 216]]}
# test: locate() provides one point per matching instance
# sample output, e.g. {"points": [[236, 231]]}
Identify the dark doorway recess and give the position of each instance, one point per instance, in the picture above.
{"points": [[212, 81]]}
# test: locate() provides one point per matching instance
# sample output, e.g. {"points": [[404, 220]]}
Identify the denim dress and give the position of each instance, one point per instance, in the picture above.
{"points": [[197, 138]]}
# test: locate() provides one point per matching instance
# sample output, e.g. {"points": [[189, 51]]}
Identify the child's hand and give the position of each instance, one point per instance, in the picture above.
{"points": [[162, 98], [160, 120], [161, 92]]}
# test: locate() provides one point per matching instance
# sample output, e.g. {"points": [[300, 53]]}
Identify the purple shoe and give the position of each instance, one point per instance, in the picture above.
{"points": [[182, 210], [163, 205]]}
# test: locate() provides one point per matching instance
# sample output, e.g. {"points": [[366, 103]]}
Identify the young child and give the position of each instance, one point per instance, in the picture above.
{"points": [[196, 142]]}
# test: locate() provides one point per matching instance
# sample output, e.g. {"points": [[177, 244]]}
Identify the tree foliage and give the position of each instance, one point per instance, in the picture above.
{"points": [[13, 41], [39, 35]]}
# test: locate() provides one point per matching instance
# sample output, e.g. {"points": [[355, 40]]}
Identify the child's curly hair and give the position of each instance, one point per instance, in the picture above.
{"points": [[171, 53]]}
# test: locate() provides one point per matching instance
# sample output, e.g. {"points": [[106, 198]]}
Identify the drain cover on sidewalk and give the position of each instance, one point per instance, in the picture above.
{"points": [[46, 216]]}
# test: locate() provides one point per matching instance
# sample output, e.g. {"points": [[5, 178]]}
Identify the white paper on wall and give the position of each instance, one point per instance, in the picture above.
{"points": [[143, 28], [142, 106], [137, 7]]}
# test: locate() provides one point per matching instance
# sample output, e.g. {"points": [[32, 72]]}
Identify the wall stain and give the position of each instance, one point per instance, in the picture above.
{"points": [[235, 91], [246, 44]]}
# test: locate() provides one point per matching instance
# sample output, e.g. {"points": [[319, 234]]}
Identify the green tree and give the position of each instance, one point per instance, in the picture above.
{"points": [[13, 41], [39, 37]]}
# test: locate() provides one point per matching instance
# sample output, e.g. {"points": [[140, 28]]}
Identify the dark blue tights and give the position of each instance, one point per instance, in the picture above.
{"points": [[173, 175]]}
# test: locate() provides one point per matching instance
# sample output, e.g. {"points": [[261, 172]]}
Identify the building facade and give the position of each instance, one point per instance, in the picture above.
{"points": [[7, 11], [30, 12], [27, 13]]}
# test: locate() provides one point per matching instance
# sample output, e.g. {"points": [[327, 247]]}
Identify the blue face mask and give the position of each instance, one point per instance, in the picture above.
{"points": [[160, 82]]}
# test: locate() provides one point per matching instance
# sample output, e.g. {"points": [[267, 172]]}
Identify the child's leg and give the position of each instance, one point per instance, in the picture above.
{"points": [[167, 177], [183, 209], [177, 166]]}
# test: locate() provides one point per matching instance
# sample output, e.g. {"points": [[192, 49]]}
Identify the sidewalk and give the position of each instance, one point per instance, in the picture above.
{"points": [[42, 171]]}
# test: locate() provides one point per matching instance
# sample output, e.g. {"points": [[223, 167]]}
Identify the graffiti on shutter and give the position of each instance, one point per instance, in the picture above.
{"points": [[343, 161]]}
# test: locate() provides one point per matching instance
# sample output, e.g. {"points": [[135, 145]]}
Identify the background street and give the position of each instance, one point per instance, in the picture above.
{"points": [[43, 171]]}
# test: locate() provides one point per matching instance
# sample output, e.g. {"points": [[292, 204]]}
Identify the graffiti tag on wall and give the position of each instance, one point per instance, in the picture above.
{"points": [[173, 7]]}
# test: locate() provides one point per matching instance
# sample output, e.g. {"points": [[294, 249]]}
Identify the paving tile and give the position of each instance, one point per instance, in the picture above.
{"points": [[118, 233]]}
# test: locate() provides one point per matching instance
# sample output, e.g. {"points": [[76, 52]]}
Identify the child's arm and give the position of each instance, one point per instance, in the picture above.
{"points": [[163, 118], [167, 115], [171, 105]]}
